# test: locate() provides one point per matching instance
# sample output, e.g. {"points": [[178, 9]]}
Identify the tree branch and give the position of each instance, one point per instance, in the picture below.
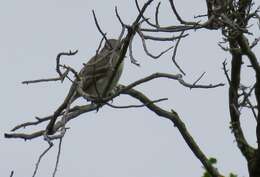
{"points": [[242, 144], [173, 116]]}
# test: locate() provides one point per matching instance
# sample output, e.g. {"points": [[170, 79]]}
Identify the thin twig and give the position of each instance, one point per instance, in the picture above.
{"points": [[12, 173], [226, 71], [177, 77], [155, 38], [70, 53], [175, 52], [136, 106], [247, 95], [147, 51], [40, 158], [71, 70], [57, 159], [143, 17], [41, 80], [131, 56], [119, 18], [58, 65], [178, 16], [157, 14], [252, 109], [74, 112], [38, 121], [99, 29], [198, 79]]}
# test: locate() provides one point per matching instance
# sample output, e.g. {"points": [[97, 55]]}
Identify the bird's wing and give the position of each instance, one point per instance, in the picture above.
{"points": [[99, 64], [96, 68]]}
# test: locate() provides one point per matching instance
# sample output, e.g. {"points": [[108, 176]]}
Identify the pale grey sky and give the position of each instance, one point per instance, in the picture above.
{"points": [[112, 142]]}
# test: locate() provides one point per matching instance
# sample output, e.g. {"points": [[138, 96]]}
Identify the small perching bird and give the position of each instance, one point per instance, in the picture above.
{"points": [[95, 77]]}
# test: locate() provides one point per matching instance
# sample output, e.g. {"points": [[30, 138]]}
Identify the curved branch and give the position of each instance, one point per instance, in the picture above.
{"points": [[178, 16], [242, 144], [173, 116], [82, 109], [177, 77], [71, 115], [70, 53]]}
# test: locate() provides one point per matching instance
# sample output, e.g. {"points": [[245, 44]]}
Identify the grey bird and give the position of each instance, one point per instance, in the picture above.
{"points": [[95, 77]]}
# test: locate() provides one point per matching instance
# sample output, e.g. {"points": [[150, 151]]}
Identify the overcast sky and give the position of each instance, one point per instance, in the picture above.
{"points": [[112, 142]]}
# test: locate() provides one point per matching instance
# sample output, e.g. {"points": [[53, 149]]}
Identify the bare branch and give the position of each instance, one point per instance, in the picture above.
{"points": [[157, 14], [252, 109], [38, 121], [70, 53], [154, 38], [43, 80], [146, 50], [12, 173], [174, 117], [131, 56], [180, 28], [58, 65], [175, 52], [57, 159], [142, 15], [136, 106], [243, 42], [24, 135], [199, 79], [242, 143], [178, 16], [119, 18], [40, 158], [226, 71], [99, 29], [177, 77], [68, 68], [78, 110]]}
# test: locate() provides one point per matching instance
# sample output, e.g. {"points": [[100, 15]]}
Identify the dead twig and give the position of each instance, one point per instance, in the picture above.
{"points": [[226, 71], [198, 79], [70, 53], [147, 51], [175, 52], [136, 106], [131, 56], [40, 158], [99, 29], [58, 65], [157, 14], [57, 159]]}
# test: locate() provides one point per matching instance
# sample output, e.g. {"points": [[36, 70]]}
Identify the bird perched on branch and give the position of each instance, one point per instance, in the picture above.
{"points": [[95, 78]]}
